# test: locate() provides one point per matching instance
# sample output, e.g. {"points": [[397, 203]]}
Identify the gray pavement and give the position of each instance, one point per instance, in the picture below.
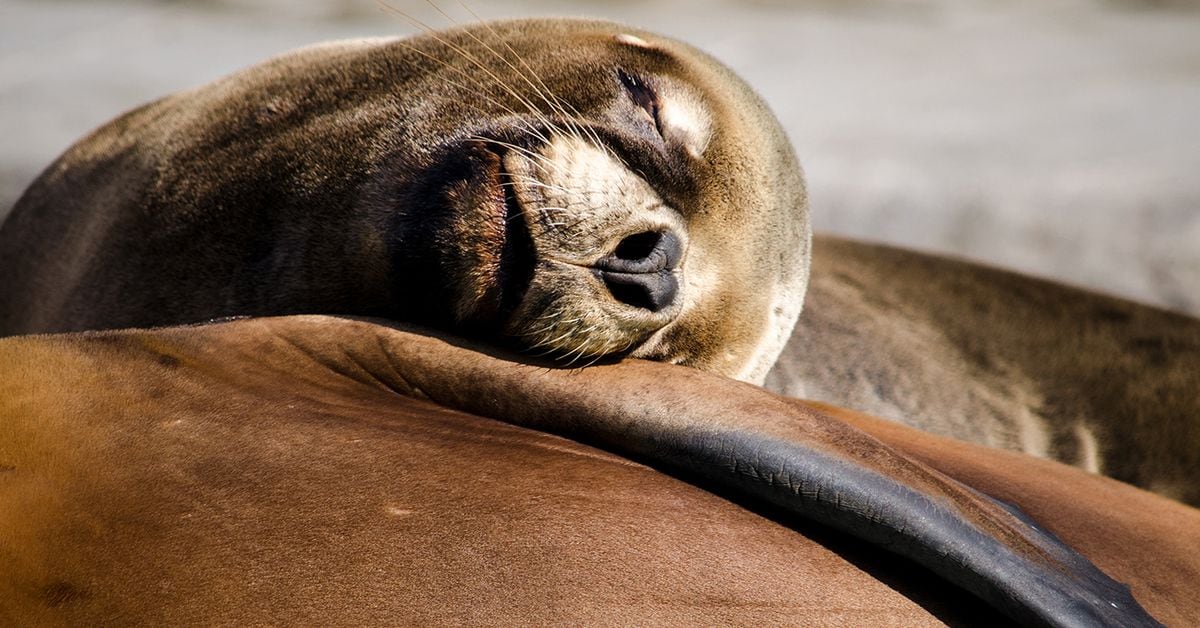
{"points": [[1056, 137]]}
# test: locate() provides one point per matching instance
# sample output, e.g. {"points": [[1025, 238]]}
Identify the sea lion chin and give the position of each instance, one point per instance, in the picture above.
{"points": [[575, 188]]}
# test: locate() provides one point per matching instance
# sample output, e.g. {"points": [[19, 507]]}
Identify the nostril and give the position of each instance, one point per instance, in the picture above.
{"points": [[638, 246], [634, 294], [640, 270], [644, 252], [649, 291]]}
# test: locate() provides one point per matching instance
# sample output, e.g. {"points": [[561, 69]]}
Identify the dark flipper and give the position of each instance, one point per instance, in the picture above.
{"points": [[747, 441]]}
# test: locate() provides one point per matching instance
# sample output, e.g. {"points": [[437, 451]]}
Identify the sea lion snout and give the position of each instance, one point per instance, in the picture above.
{"points": [[609, 251], [640, 271]]}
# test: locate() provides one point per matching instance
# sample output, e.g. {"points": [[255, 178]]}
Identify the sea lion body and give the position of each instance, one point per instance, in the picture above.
{"points": [[215, 471], [569, 185], [1001, 359]]}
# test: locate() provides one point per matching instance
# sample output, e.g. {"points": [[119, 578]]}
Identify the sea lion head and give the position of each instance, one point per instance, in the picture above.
{"points": [[607, 191], [570, 187]]}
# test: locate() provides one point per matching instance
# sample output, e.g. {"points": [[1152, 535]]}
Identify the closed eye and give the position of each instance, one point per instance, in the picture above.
{"points": [[643, 96]]}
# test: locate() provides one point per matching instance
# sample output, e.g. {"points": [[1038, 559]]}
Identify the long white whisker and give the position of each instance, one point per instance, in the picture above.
{"points": [[546, 89], [465, 54]]}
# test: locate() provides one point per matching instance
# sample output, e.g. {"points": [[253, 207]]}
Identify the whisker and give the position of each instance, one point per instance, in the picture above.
{"points": [[528, 127], [532, 130], [591, 132], [512, 67], [465, 54], [534, 155]]}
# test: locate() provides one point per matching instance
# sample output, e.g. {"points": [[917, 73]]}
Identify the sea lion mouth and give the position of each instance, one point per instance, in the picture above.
{"points": [[485, 248], [517, 253]]}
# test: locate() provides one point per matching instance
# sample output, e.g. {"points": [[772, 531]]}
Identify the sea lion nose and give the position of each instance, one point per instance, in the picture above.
{"points": [[639, 271]]}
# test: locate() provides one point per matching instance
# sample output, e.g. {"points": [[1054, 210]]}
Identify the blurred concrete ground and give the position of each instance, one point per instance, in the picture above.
{"points": [[1056, 137]]}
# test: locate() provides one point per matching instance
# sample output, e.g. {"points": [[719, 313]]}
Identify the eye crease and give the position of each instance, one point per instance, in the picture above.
{"points": [[643, 96]]}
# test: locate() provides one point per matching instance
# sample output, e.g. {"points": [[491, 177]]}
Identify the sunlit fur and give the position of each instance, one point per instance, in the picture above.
{"points": [[466, 179]]}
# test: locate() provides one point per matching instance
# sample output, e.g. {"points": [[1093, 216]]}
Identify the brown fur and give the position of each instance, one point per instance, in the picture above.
{"points": [[348, 178], [268, 471], [1001, 359], [217, 491]]}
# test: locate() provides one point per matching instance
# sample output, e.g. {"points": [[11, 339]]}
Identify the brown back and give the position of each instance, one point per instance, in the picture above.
{"points": [[140, 488], [231, 473]]}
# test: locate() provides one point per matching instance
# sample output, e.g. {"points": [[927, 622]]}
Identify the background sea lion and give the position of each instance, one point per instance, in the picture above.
{"points": [[1001, 359], [574, 186]]}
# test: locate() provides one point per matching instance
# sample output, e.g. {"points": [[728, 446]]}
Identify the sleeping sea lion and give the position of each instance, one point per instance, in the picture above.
{"points": [[575, 187]]}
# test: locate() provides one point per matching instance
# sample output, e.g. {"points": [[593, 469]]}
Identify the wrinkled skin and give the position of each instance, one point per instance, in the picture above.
{"points": [[574, 187], [308, 469]]}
